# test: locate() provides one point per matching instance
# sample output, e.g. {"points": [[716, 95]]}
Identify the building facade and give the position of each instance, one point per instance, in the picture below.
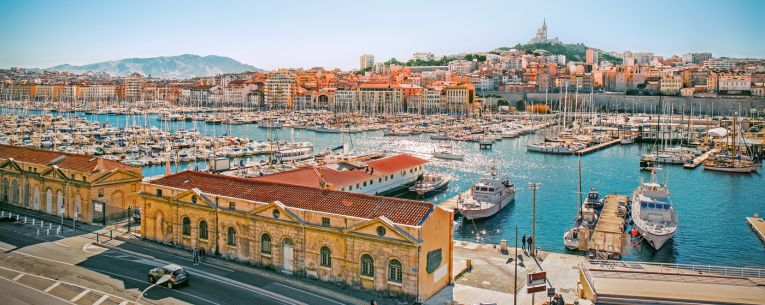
{"points": [[85, 188], [366, 61], [395, 246]]}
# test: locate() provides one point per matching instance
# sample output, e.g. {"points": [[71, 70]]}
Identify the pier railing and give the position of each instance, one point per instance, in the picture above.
{"points": [[679, 269]]}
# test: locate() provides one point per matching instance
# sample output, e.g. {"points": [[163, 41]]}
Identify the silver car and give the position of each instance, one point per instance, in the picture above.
{"points": [[178, 276]]}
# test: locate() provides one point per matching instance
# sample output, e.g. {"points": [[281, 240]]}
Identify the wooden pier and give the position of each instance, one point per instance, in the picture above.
{"points": [[700, 159], [609, 237], [451, 203], [600, 146], [758, 225]]}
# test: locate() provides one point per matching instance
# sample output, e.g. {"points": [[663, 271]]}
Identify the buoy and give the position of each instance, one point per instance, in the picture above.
{"points": [[634, 232]]}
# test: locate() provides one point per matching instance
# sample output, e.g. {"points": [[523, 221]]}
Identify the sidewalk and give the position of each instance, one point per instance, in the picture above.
{"points": [[230, 269]]}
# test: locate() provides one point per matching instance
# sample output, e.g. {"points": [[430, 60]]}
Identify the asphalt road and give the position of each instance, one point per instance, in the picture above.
{"points": [[73, 259]]}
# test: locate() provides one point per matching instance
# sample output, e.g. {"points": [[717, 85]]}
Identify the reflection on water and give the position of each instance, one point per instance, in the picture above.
{"points": [[712, 206]]}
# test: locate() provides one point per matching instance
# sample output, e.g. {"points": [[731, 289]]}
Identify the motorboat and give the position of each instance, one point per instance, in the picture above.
{"points": [[593, 200], [653, 213], [487, 197], [431, 182]]}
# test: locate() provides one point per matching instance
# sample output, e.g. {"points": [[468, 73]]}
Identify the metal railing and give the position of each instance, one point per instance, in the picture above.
{"points": [[679, 269]]}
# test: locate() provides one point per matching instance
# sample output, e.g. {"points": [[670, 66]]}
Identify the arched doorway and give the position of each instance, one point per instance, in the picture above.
{"points": [[60, 203], [49, 201], [288, 256], [77, 205], [159, 226], [27, 194], [4, 197]]}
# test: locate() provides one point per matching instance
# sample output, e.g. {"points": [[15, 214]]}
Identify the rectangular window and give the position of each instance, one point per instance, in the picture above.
{"points": [[325, 221], [159, 193], [365, 183], [379, 180], [232, 205]]}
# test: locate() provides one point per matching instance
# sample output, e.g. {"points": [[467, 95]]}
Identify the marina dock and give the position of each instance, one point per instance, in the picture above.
{"points": [[700, 159], [451, 203], [609, 240], [600, 146], [758, 225]]}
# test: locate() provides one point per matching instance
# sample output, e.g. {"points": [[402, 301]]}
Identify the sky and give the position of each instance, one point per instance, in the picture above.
{"points": [[333, 34]]}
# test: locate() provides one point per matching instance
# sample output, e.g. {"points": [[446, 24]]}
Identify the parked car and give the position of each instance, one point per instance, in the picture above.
{"points": [[178, 276]]}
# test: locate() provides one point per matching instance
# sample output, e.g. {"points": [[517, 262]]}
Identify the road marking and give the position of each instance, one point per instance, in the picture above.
{"points": [[66, 283], [63, 245], [144, 281], [16, 279], [306, 292], [30, 287], [52, 286], [102, 299], [124, 303], [79, 296]]}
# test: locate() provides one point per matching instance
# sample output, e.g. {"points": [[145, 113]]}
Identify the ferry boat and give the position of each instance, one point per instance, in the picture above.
{"points": [[294, 154], [430, 182], [487, 196], [653, 214]]}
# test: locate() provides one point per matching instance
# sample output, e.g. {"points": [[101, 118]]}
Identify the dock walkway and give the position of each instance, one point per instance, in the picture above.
{"points": [[600, 146], [700, 159], [451, 203], [758, 225], [609, 237]]}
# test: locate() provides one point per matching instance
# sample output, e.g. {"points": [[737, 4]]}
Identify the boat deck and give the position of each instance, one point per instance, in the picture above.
{"points": [[700, 159], [758, 225], [451, 203], [609, 236], [595, 148]]}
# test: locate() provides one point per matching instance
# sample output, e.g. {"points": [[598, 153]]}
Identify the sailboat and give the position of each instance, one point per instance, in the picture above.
{"points": [[585, 219], [733, 160]]}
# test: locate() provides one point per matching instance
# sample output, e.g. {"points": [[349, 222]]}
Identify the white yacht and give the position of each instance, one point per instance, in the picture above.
{"points": [[430, 182], [653, 215], [487, 196], [445, 152]]}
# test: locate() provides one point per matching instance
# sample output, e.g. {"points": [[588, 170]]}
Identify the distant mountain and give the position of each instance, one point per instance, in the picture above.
{"points": [[573, 52], [181, 66]]}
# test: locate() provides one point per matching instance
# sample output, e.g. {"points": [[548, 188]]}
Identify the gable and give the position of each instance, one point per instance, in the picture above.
{"points": [[390, 230], [193, 195], [10, 165], [277, 211], [54, 173], [117, 176]]}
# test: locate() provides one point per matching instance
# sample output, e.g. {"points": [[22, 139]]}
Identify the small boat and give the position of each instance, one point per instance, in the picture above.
{"points": [[430, 182], [487, 196], [593, 200], [627, 140], [445, 152]]}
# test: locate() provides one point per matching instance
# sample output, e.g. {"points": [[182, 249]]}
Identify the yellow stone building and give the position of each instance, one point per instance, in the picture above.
{"points": [[369, 242], [87, 188]]}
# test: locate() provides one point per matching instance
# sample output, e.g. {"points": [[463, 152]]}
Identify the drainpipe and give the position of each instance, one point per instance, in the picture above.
{"points": [[217, 229]]}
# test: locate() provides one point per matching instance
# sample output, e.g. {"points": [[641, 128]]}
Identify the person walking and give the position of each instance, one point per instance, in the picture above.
{"points": [[203, 254], [195, 255], [523, 242], [530, 241]]}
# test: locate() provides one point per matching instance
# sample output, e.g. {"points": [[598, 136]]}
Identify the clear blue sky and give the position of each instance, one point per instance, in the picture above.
{"points": [[281, 33]]}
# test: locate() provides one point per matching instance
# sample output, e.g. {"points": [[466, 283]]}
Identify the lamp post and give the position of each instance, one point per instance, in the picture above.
{"points": [[534, 187]]}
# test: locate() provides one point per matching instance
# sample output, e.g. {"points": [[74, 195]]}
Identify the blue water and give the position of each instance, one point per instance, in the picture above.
{"points": [[711, 206]]}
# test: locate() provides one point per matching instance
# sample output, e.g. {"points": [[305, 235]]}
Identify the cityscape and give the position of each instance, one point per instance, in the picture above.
{"points": [[536, 157]]}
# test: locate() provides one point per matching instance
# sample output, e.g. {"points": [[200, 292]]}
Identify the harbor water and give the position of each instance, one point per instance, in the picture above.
{"points": [[711, 206]]}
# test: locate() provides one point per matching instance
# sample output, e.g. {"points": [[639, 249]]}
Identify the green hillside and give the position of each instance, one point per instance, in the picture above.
{"points": [[573, 52]]}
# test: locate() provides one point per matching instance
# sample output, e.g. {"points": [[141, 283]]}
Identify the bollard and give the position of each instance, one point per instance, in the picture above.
{"points": [[25, 220], [33, 221], [42, 223], [97, 236], [50, 225], [2, 213], [58, 231], [38, 232], [47, 231], [17, 217], [110, 235]]}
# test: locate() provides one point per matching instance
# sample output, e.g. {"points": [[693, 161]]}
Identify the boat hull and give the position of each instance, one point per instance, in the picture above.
{"points": [[473, 214], [745, 169]]}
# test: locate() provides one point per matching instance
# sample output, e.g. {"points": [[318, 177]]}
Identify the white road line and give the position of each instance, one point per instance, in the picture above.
{"points": [[15, 279], [306, 292], [30, 287], [60, 244], [67, 283], [124, 302], [144, 281], [101, 300], [52, 286], [79, 296]]}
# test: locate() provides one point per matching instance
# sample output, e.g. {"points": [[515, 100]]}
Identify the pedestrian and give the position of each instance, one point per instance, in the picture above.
{"points": [[523, 242], [530, 241], [373, 302], [195, 256], [560, 300], [203, 254]]}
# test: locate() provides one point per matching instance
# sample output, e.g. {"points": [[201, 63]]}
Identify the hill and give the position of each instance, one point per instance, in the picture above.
{"points": [[573, 52], [181, 66]]}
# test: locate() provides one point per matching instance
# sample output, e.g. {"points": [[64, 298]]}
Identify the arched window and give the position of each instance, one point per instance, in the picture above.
{"points": [[394, 271], [265, 243], [186, 230], [326, 257], [367, 265], [231, 236], [203, 229]]}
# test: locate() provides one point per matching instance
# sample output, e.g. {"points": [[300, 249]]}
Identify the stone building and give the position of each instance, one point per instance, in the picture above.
{"points": [[368, 242], [81, 187]]}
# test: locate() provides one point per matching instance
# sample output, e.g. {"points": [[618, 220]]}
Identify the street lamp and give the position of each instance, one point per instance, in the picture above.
{"points": [[534, 187], [159, 281]]}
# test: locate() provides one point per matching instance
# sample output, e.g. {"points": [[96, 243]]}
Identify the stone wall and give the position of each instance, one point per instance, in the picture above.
{"points": [[629, 103]]}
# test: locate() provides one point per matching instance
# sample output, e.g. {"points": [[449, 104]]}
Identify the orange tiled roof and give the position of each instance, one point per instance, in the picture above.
{"points": [[82, 163], [407, 212], [395, 163]]}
